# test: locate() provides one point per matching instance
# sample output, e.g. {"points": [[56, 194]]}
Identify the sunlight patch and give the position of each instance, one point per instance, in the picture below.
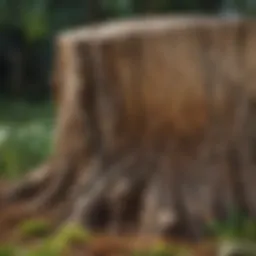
{"points": [[4, 133]]}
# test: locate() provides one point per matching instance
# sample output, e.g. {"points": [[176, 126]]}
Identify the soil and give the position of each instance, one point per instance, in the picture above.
{"points": [[12, 216]]}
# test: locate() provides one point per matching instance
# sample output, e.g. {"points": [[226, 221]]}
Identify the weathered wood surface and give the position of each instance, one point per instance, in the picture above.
{"points": [[157, 117]]}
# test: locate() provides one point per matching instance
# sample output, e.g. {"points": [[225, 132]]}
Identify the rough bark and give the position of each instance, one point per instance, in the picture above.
{"points": [[155, 126]]}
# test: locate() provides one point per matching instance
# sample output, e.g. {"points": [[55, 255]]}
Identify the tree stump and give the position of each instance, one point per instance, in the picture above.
{"points": [[155, 125]]}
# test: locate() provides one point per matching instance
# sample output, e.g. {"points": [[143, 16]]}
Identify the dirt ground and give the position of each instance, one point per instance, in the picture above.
{"points": [[99, 245]]}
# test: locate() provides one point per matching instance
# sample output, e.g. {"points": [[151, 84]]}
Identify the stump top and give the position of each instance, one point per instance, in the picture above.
{"points": [[144, 25]]}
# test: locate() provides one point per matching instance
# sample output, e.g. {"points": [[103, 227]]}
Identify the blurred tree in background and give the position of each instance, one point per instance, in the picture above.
{"points": [[28, 27]]}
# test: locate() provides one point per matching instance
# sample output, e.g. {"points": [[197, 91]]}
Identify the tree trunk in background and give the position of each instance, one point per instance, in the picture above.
{"points": [[155, 127]]}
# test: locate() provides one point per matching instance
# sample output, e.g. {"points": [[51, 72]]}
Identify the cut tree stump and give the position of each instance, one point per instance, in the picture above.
{"points": [[155, 129]]}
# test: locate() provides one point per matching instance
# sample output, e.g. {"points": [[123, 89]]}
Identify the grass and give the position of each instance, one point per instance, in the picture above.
{"points": [[53, 245], [62, 242], [34, 228], [236, 227], [163, 250], [25, 136]]}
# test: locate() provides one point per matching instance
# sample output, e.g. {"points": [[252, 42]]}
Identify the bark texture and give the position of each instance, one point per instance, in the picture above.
{"points": [[155, 130]]}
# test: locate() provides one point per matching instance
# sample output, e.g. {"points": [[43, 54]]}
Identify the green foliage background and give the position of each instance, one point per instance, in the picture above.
{"points": [[27, 32], [28, 28]]}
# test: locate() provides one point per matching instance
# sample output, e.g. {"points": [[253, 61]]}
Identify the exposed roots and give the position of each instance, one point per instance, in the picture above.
{"points": [[42, 188], [143, 192], [110, 186], [158, 189], [30, 185], [109, 197]]}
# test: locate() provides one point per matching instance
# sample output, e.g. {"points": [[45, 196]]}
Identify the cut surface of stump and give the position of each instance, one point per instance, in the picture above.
{"points": [[155, 126]]}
